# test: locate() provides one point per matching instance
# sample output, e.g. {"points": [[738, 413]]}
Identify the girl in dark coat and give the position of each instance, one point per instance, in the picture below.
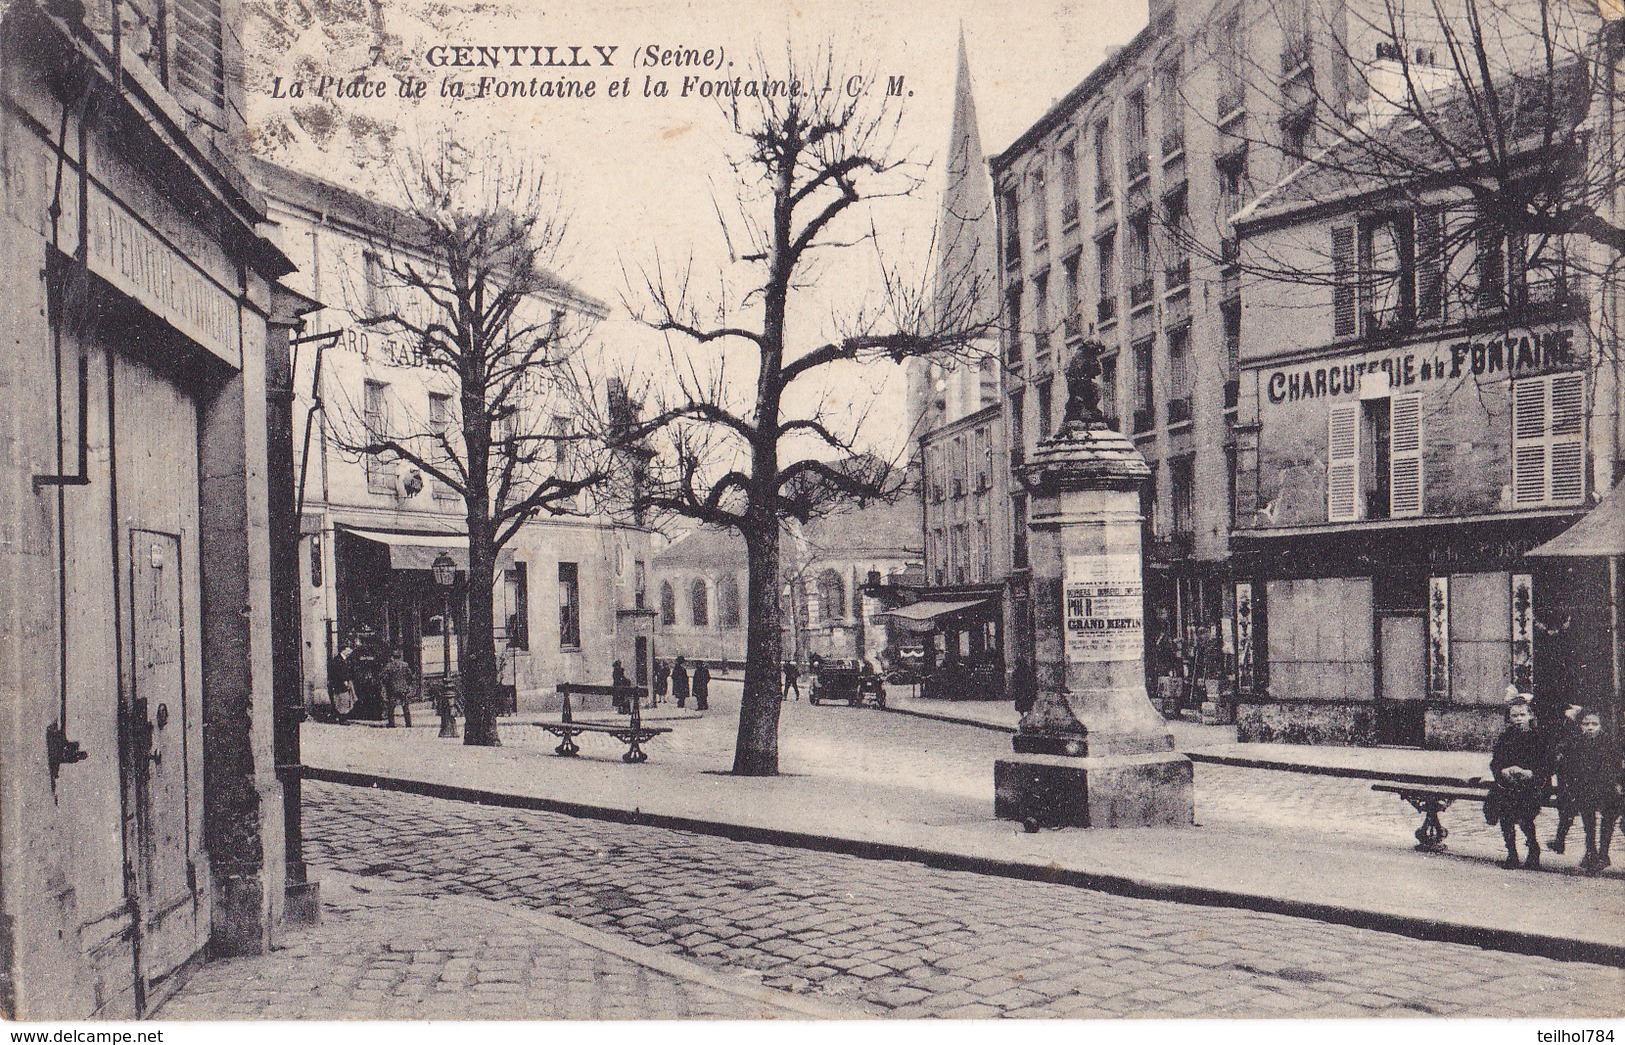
{"points": [[1590, 785], [662, 675], [679, 682], [1522, 766], [702, 686]]}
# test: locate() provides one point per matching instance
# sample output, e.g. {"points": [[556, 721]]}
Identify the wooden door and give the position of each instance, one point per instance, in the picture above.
{"points": [[1401, 709]]}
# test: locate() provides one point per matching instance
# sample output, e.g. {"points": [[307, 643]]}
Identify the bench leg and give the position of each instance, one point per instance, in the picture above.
{"points": [[1431, 835], [567, 746], [635, 753]]}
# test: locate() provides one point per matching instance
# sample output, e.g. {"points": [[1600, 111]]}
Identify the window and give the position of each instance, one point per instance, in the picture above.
{"points": [[1294, 17], [569, 606], [1103, 162], [1176, 225], [984, 552], [1071, 301], [956, 462], [372, 270], [1045, 406], [1140, 285], [699, 610], [1018, 435], [1145, 411], [1108, 389], [1173, 109], [1179, 374], [1231, 311], [640, 583], [1040, 198], [940, 559], [1232, 489], [1106, 255], [1018, 533], [440, 426], [1297, 132], [668, 604], [1182, 483], [728, 602], [1383, 279], [1134, 144], [961, 553], [516, 607], [1227, 52], [376, 419], [1069, 185], [1012, 228], [1548, 440], [1041, 329], [1232, 171], [984, 446], [1012, 324], [831, 596], [1387, 273]]}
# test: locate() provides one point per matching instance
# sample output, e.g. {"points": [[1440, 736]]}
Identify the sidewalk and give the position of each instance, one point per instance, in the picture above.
{"points": [[384, 951], [902, 787]]}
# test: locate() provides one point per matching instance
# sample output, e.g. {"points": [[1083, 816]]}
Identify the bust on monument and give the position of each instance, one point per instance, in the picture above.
{"points": [[1082, 394]]}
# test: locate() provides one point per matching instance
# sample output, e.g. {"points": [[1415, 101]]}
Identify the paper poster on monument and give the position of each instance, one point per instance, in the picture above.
{"points": [[1103, 613]]}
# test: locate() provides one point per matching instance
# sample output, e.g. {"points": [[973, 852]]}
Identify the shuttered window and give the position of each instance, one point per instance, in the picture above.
{"points": [[1343, 463], [1429, 266], [1548, 440], [199, 54], [1405, 450], [1345, 319]]}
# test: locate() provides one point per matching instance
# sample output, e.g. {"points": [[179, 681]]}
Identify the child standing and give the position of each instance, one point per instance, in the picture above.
{"points": [[1522, 766], [1590, 785]]}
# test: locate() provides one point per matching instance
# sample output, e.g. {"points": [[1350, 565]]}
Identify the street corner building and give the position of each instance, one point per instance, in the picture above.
{"points": [[569, 587], [141, 815]]}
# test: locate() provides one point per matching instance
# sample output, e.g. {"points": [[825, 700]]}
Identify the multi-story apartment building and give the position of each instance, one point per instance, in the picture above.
{"points": [[138, 636], [1443, 403], [1113, 212], [570, 587]]}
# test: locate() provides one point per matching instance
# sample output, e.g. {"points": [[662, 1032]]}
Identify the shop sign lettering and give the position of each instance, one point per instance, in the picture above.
{"points": [[1513, 355]]}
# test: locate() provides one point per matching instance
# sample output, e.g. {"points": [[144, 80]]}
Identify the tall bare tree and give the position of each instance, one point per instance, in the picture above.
{"points": [[771, 427], [465, 272]]}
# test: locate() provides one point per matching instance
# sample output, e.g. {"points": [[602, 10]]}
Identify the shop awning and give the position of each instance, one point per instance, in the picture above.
{"points": [[418, 551], [1600, 532], [923, 615]]}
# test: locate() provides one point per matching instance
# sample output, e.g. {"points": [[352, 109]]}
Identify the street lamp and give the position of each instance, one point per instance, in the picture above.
{"points": [[444, 569]]}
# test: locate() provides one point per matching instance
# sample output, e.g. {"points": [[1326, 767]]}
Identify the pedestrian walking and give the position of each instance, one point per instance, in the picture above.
{"points": [[1589, 785], [1522, 766], [702, 686], [662, 676], [792, 680], [341, 683], [399, 687], [679, 682], [1023, 688], [619, 683]]}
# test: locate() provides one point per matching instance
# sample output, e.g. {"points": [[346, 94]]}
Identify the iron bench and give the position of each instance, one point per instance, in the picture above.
{"points": [[1432, 799], [634, 734]]}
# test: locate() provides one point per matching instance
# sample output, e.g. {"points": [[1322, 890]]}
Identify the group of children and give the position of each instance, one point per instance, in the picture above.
{"points": [[1586, 764]]}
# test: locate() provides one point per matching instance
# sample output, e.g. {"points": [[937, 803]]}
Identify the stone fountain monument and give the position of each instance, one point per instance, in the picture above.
{"points": [[1092, 751]]}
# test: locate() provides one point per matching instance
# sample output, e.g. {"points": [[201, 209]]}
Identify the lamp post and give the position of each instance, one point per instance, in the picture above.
{"points": [[444, 569]]}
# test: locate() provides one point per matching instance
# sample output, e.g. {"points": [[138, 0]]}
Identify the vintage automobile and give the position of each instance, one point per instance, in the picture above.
{"points": [[848, 681]]}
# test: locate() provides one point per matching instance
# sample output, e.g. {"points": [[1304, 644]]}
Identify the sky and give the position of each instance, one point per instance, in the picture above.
{"points": [[640, 174]]}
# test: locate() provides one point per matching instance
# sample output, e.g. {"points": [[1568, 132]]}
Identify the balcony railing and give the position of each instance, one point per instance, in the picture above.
{"points": [[1179, 410], [1140, 293], [1072, 325], [1106, 310], [1173, 142], [1139, 164], [1178, 274], [1069, 212]]}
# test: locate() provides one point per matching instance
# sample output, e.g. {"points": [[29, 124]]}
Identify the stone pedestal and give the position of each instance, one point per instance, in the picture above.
{"points": [[1092, 752]]}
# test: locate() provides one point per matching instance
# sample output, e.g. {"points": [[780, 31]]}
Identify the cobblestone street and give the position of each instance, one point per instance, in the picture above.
{"points": [[900, 938]]}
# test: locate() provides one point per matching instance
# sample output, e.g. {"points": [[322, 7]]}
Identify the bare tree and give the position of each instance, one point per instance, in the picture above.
{"points": [[761, 433], [464, 272]]}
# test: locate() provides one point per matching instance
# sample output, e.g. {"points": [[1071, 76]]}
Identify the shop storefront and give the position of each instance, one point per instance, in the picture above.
{"points": [[963, 644]]}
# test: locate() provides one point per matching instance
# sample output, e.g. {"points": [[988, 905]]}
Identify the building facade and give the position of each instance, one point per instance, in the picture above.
{"points": [[1114, 226], [137, 651], [1441, 405], [569, 588]]}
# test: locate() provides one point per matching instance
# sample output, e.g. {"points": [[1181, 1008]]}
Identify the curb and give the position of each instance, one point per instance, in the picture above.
{"points": [[935, 717], [671, 965], [1540, 945]]}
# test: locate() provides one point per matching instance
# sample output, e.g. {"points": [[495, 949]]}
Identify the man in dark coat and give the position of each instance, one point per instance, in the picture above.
{"points": [[792, 679], [399, 684], [679, 682], [341, 683], [620, 684], [702, 686]]}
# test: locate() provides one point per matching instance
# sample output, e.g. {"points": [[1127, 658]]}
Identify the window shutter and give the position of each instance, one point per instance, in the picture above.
{"points": [[1405, 455], [1344, 319], [1491, 266], [1529, 442], [1568, 437], [199, 54], [1343, 463], [1429, 265]]}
